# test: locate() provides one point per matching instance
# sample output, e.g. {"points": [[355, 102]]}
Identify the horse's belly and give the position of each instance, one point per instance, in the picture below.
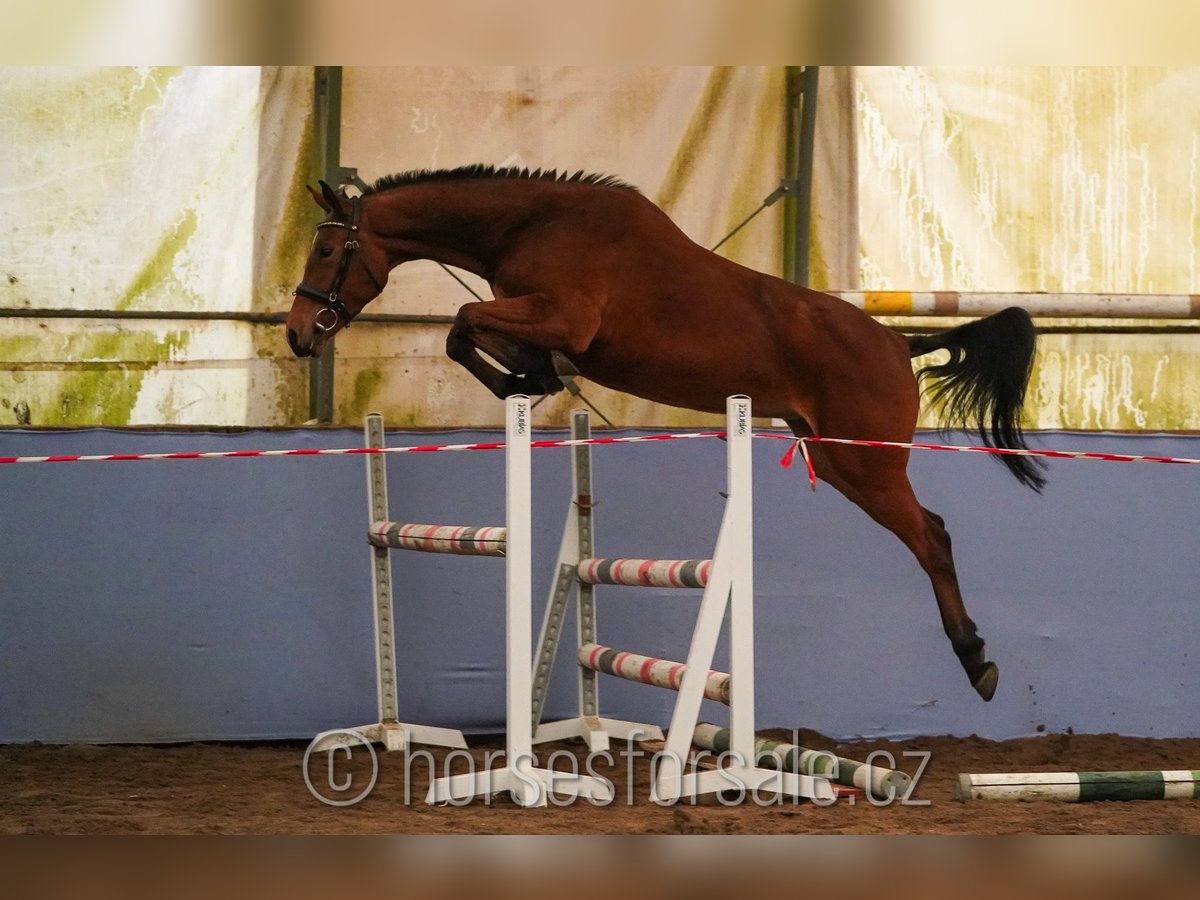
{"points": [[680, 382]]}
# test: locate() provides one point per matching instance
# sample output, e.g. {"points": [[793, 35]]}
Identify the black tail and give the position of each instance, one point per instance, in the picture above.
{"points": [[983, 384]]}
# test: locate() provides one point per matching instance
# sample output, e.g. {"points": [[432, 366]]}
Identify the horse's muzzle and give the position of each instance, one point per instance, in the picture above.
{"points": [[293, 340]]}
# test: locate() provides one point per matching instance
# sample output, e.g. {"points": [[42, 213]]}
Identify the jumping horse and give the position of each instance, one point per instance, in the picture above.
{"points": [[591, 278]]}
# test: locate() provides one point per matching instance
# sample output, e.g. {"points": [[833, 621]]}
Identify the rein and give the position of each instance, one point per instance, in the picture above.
{"points": [[329, 299]]}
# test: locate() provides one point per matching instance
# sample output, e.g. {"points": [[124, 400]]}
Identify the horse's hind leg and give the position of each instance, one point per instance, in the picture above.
{"points": [[877, 481]]}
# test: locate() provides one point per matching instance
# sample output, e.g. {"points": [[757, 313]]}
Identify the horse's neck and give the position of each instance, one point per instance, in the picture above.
{"points": [[460, 224]]}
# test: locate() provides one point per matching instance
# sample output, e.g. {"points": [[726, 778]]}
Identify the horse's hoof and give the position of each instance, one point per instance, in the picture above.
{"points": [[986, 683], [533, 385], [562, 365]]}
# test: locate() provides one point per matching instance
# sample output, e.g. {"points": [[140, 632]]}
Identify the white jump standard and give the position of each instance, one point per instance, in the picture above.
{"points": [[388, 730], [575, 550], [527, 784], [728, 581]]}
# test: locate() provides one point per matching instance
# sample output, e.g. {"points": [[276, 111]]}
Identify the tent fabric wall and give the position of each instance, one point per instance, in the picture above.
{"points": [[150, 189], [1004, 178], [182, 189], [705, 144], [1009, 178]]}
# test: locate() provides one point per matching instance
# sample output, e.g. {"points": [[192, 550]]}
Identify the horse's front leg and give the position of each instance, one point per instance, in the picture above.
{"points": [[530, 335], [463, 348], [530, 371]]}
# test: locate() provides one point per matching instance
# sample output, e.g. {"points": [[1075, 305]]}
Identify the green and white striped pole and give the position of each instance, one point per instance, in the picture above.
{"points": [[1080, 787], [876, 780]]}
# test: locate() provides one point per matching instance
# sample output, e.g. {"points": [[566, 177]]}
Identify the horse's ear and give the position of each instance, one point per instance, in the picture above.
{"points": [[316, 195], [333, 199]]}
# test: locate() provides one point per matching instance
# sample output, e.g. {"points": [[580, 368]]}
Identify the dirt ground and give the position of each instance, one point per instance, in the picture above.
{"points": [[223, 788]]}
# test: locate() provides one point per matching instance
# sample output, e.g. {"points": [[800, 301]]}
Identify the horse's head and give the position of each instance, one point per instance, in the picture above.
{"points": [[344, 272]]}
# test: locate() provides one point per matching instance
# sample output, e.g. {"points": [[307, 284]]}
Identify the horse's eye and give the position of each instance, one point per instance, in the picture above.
{"points": [[325, 252]]}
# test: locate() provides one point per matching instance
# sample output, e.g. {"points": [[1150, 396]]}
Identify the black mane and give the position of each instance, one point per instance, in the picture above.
{"points": [[421, 176]]}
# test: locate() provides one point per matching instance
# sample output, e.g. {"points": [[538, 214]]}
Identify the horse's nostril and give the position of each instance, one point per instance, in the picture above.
{"points": [[294, 343]]}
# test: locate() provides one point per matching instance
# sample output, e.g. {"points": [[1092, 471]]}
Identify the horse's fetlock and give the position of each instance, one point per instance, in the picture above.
{"points": [[969, 648]]}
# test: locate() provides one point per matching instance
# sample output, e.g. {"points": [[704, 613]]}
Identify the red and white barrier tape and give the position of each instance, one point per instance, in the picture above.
{"points": [[800, 443], [786, 461], [432, 448]]}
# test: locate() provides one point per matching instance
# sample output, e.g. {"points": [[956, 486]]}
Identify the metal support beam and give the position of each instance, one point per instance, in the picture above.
{"points": [[802, 115], [327, 139]]}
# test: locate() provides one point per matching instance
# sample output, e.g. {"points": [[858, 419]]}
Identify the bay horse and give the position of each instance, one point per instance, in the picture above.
{"points": [[591, 278]]}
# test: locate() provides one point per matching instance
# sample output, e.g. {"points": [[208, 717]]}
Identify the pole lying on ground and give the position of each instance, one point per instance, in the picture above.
{"points": [[1080, 787], [878, 781]]}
